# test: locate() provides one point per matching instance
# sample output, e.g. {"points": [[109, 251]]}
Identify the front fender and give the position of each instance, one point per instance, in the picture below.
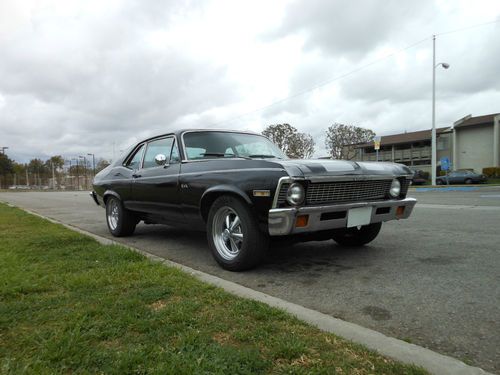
{"points": [[212, 193], [110, 192]]}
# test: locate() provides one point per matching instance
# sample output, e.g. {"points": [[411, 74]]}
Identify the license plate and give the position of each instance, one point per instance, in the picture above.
{"points": [[359, 216]]}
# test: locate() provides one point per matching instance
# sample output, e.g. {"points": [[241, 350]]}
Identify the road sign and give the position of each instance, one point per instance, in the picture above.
{"points": [[445, 163], [376, 142]]}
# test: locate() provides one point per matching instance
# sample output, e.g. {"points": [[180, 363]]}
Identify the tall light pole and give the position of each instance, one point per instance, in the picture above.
{"points": [[93, 164], [84, 169], [3, 149], [434, 66]]}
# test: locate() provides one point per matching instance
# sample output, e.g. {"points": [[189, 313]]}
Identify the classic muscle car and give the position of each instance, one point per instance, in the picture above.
{"points": [[242, 189]]}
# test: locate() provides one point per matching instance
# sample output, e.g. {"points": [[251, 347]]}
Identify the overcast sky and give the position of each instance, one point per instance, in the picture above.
{"points": [[78, 76]]}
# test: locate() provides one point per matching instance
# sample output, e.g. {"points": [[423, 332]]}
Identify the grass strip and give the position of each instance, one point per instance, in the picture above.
{"points": [[71, 305]]}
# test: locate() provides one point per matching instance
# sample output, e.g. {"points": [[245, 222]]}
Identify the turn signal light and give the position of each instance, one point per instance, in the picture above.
{"points": [[301, 221], [400, 211]]}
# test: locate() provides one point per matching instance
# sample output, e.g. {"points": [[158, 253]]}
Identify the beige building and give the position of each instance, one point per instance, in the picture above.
{"points": [[476, 142], [471, 143]]}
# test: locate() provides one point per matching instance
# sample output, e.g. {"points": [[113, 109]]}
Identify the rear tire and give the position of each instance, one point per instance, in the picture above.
{"points": [[439, 182], [233, 234], [357, 237], [121, 222], [468, 181]]}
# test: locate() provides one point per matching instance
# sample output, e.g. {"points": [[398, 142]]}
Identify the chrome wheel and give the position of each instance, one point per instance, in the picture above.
{"points": [[113, 214], [227, 233]]}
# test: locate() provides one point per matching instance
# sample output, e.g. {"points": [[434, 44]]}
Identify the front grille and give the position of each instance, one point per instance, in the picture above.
{"points": [[347, 191]]}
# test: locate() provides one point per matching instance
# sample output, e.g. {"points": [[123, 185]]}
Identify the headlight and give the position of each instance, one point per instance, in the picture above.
{"points": [[295, 194], [395, 188]]}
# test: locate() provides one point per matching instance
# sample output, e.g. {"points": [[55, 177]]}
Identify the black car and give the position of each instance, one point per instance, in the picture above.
{"points": [[242, 190], [461, 177]]}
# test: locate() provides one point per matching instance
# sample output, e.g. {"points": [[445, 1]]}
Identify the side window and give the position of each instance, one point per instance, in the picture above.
{"points": [[160, 146], [135, 161], [174, 156]]}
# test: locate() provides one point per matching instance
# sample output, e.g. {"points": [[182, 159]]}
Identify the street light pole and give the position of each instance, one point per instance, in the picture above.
{"points": [[93, 164], [434, 148], [3, 149]]}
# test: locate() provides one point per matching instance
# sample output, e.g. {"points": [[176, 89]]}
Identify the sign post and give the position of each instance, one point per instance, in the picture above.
{"points": [[376, 144], [445, 166]]}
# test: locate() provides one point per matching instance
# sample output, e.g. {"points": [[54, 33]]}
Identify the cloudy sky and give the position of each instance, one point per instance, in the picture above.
{"points": [[81, 77]]}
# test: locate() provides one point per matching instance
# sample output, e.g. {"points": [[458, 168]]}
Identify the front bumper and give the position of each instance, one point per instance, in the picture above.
{"points": [[282, 221]]}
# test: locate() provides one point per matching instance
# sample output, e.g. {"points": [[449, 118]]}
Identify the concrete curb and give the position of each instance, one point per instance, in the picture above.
{"points": [[399, 350]]}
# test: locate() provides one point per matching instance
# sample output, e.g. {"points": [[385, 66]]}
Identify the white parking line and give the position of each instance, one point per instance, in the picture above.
{"points": [[457, 207]]}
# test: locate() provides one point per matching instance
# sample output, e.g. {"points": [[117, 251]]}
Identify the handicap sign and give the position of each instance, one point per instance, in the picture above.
{"points": [[445, 163]]}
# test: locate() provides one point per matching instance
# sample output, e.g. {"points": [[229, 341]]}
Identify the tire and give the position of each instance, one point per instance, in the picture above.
{"points": [[439, 182], [121, 222], [468, 181], [233, 234], [357, 237]]}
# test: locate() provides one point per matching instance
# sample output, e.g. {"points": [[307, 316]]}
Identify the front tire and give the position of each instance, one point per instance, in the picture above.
{"points": [[121, 222], [357, 236], [233, 234]]}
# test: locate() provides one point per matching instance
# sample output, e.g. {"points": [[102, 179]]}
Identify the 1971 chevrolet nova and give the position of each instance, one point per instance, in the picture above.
{"points": [[242, 189]]}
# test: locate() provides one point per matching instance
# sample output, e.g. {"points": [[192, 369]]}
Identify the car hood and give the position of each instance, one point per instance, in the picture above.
{"points": [[325, 167]]}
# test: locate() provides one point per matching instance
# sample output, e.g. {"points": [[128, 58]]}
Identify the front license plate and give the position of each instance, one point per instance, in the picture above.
{"points": [[359, 216]]}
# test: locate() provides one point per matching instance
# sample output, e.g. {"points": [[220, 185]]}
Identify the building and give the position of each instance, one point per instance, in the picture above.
{"points": [[471, 143], [476, 142]]}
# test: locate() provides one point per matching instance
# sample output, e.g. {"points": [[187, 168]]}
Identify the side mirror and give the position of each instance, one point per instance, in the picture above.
{"points": [[160, 159]]}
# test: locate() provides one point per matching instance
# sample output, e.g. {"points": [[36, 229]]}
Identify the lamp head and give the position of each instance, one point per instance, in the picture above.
{"points": [[445, 65]]}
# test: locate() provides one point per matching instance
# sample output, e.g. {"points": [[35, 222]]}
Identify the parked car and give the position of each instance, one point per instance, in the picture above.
{"points": [[461, 177], [242, 190], [419, 176]]}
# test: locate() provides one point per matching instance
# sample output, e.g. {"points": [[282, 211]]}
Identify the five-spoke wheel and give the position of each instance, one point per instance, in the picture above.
{"points": [[234, 235], [121, 222]]}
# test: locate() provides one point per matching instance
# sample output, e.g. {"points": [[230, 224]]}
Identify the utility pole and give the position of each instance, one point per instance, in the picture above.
{"points": [[27, 179], [434, 151], [53, 177], [93, 165], [3, 149]]}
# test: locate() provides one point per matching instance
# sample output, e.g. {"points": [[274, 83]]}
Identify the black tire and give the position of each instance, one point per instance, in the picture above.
{"points": [[121, 222], [468, 181], [357, 237], [439, 182], [250, 245]]}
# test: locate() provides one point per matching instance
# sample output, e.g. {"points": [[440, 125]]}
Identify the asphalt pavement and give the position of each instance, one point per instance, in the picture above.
{"points": [[433, 280]]}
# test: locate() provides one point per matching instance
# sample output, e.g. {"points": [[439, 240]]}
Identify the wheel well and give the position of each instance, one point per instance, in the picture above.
{"points": [[210, 198]]}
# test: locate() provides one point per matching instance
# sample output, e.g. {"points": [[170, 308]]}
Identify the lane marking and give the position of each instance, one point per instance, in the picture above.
{"points": [[490, 196], [458, 207]]}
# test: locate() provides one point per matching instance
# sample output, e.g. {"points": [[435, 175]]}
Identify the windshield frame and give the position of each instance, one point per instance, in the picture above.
{"points": [[185, 158]]}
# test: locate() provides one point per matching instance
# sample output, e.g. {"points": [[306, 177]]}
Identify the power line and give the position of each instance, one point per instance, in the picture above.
{"points": [[469, 27], [327, 82]]}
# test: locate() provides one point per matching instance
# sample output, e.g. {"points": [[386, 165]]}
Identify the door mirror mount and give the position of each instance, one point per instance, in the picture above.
{"points": [[161, 159]]}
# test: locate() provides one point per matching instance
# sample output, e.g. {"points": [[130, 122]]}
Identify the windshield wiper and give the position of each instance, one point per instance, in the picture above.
{"points": [[263, 156], [222, 155]]}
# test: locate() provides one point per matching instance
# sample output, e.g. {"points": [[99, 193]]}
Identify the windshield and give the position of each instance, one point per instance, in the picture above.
{"points": [[215, 144]]}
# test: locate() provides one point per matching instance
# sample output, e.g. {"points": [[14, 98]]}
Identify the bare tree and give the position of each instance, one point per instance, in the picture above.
{"points": [[340, 140], [294, 144]]}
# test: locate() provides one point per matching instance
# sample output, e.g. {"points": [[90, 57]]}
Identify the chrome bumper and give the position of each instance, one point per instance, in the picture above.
{"points": [[282, 221]]}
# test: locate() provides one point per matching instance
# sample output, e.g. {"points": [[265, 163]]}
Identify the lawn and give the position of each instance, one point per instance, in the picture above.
{"points": [[71, 305]]}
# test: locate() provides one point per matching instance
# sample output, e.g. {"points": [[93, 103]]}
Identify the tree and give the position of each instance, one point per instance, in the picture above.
{"points": [[341, 138], [6, 165], [294, 144], [101, 164]]}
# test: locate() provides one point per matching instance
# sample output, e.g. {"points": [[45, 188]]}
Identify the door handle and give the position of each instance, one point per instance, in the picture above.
{"points": [[136, 175]]}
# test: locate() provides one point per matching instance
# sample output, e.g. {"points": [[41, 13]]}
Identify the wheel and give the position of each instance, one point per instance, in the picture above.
{"points": [[468, 181], [233, 234], [439, 182], [121, 222], [357, 236]]}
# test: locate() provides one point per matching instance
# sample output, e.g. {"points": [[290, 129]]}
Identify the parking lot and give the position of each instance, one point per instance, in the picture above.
{"points": [[432, 280]]}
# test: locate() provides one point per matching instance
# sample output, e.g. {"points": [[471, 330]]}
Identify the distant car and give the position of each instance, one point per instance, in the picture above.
{"points": [[461, 177], [242, 189], [418, 177]]}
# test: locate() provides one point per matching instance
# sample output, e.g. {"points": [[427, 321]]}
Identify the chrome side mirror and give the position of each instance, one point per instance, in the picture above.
{"points": [[160, 159]]}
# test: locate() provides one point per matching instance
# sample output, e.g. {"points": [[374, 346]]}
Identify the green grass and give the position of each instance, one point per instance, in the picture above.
{"points": [[71, 305]]}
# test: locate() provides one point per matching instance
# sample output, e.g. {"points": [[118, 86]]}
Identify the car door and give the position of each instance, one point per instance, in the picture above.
{"points": [[155, 187]]}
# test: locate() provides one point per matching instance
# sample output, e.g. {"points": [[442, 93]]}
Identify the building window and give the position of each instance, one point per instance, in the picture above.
{"points": [[442, 144]]}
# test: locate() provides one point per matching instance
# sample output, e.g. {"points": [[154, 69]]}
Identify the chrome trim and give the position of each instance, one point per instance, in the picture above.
{"points": [[351, 177], [281, 220]]}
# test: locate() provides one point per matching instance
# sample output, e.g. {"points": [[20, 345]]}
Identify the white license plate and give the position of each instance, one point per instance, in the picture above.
{"points": [[359, 216]]}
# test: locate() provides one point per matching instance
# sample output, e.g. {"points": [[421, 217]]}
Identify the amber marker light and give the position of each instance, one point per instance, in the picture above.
{"points": [[301, 221], [400, 211]]}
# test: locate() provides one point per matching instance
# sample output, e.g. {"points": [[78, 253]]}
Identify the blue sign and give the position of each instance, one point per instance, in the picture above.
{"points": [[445, 164]]}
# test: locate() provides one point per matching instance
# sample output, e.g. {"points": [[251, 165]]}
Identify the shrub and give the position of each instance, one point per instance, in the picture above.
{"points": [[492, 171]]}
